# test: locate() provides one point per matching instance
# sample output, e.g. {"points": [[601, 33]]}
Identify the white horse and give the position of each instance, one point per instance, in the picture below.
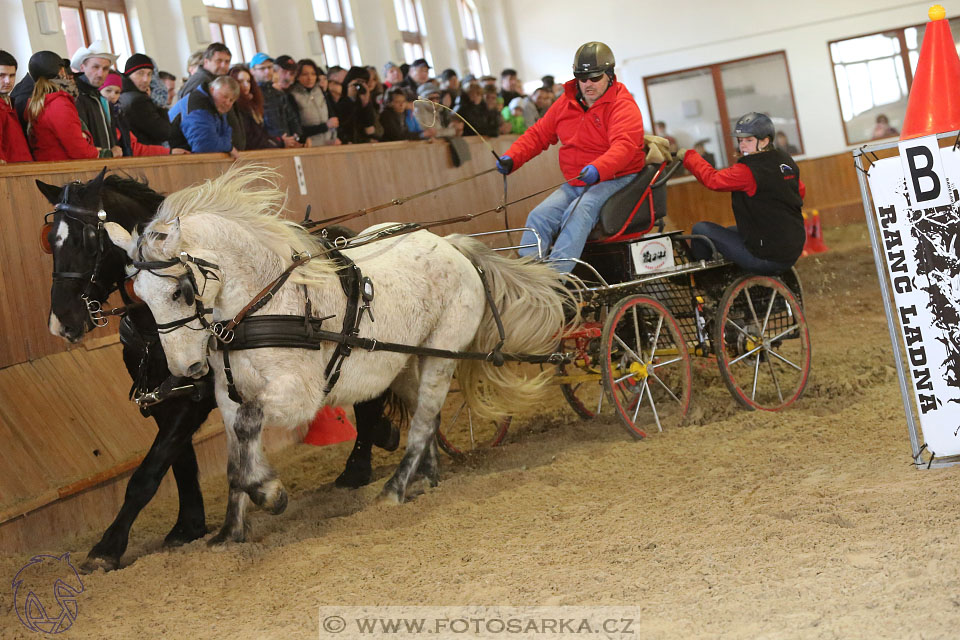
{"points": [[428, 294]]}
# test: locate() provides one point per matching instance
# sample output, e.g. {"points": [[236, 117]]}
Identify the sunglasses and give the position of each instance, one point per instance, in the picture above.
{"points": [[593, 79]]}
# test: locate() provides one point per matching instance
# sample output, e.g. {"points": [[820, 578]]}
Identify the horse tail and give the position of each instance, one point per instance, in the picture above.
{"points": [[530, 297]]}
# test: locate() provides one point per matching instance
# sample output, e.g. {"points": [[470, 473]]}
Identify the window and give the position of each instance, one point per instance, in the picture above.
{"points": [[85, 21], [412, 30], [873, 75], [335, 24], [702, 105], [473, 39], [232, 24]]}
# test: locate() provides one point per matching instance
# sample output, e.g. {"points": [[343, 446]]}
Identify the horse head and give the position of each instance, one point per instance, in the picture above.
{"points": [[86, 266], [180, 285]]}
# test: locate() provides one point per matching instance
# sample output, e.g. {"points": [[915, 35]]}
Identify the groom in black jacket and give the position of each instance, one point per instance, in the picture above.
{"points": [[94, 64]]}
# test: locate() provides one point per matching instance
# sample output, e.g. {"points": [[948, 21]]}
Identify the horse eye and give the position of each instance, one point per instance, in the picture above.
{"points": [[177, 294]]}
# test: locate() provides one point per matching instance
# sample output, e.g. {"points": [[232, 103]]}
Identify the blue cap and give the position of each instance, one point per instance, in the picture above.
{"points": [[260, 58]]}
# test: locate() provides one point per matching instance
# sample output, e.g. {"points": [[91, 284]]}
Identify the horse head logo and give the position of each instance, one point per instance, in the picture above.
{"points": [[37, 609]]}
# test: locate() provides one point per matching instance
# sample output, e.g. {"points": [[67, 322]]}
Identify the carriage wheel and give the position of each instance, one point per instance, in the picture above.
{"points": [[460, 432], [762, 343], [646, 366], [581, 381]]}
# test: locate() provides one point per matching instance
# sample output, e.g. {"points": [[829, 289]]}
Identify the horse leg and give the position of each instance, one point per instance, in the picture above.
{"points": [[235, 527], [177, 420], [435, 377], [373, 428]]}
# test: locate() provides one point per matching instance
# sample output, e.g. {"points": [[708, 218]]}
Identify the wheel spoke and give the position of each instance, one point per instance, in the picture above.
{"points": [[636, 411], [753, 312], [739, 328], [664, 363], [473, 442], [756, 374], [766, 317], [666, 388], [622, 378], [777, 355], [636, 330], [653, 407], [748, 353], [776, 382], [630, 351], [656, 337], [784, 332]]}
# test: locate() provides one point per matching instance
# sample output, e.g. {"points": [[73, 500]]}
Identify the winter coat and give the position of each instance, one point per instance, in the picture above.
{"points": [[485, 121], [608, 135], [395, 127], [58, 134], [255, 134], [13, 144], [198, 126], [146, 120], [94, 111], [315, 109], [280, 114], [200, 77]]}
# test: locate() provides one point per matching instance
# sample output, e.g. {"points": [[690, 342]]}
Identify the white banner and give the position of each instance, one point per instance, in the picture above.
{"points": [[922, 250]]}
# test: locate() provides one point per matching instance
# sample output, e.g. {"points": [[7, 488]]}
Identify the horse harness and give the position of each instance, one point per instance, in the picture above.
{"points": [[247, 331]]}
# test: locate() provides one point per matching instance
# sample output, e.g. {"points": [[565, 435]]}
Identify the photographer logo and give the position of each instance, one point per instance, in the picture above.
{"points": [[45, 593]]}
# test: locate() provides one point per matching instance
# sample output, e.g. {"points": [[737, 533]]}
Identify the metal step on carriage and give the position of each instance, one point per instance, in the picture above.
{"points": [[648, 309]]}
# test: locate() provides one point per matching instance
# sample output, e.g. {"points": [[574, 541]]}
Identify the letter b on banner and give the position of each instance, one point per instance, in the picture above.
{"points": [[923, 170]]}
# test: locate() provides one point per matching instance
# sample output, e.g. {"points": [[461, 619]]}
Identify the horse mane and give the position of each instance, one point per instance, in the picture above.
{"points": [[136, 189], [249, 196]]}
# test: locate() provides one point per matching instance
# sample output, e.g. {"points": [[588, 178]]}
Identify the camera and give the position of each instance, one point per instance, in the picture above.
{"points": [[361, 88]]}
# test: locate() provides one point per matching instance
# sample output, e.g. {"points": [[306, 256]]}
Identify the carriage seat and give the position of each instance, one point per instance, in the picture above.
{"points": [[634, 210]]}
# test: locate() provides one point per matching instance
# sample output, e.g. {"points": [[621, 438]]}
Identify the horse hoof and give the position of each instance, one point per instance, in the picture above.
{"points": [[181, 535], [95, 563], [227, 535], [387, 435], [354, 477], [270, 496], [390, 495]]}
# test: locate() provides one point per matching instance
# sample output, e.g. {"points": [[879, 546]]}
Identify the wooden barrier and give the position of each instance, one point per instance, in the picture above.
{"points": [[70, 437]]}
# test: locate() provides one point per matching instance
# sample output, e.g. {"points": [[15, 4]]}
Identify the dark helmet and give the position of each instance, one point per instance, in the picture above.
{"points": [[591, 59], [754, 124], [45, 64]]}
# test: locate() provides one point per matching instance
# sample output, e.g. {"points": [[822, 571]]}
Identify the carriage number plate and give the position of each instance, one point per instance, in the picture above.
{"points": [[651, 256]]}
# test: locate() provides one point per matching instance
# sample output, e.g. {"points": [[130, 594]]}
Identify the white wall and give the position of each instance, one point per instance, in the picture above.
{"points": [[657, 37]]}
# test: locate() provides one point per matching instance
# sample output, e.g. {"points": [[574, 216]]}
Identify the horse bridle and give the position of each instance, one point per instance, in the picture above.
{"points": [[93, 244], [187, 283]]}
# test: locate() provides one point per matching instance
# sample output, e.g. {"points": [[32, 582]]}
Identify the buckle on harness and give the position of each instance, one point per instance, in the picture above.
{"points": [[220, 331]]}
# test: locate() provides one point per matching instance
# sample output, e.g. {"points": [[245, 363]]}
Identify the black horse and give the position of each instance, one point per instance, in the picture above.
{"points": [[87, 268]]}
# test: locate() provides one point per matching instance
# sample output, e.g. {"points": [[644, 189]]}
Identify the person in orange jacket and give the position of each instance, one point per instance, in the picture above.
{"points": [[600, 129]]}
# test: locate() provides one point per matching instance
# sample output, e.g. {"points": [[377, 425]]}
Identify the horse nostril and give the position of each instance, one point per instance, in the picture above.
{"points": [[195, 369]]}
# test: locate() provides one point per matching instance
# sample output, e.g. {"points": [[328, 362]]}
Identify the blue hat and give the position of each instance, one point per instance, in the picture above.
{"points": [[260, 58]]}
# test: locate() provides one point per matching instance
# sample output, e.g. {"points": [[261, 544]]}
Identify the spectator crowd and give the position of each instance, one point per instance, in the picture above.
{"points": [[83, 107]]}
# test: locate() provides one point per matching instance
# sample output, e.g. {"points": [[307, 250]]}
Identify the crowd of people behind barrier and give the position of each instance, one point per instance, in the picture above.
{"points": [[83, 107]]}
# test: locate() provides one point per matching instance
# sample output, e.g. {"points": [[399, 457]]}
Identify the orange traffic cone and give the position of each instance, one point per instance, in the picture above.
{"points": [[814, 243], [330, 426], [934, 103]]}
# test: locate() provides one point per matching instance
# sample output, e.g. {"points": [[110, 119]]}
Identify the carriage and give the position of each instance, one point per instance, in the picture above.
{"points": [[648, 309]]}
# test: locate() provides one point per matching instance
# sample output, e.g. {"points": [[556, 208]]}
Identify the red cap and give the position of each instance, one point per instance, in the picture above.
{"points": [[934, 103]]}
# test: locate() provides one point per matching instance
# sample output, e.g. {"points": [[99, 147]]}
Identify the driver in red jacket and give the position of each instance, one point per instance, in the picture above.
{"points": [[13, 144], [600, 129]]}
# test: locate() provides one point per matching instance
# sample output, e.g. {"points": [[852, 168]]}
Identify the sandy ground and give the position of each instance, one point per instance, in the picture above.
{"points": [[810, 523]]}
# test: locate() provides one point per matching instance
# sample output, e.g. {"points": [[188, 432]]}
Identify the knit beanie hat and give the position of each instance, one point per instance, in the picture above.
{"points": [[137, 61], [113, 79]]}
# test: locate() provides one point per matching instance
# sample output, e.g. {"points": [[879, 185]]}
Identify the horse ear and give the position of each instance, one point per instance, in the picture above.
{"points": [[171, 244], [122, 238], [96, 182], [51, 192]]}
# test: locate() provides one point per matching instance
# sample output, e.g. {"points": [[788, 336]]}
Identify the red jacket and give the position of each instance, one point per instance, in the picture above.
{"points": [[13, 145], [57, 133], [608, 135], [734, 178]]}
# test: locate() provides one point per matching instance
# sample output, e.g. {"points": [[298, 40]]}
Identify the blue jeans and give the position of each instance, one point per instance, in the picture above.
{"points": [[565, 219], [730, 245]]}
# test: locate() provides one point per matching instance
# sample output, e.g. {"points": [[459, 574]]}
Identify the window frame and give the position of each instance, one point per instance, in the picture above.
{"points": [[468, 11], [716, 71], [414, 37], [238, 18], [336, 30], [107, 6], [904, 56]]}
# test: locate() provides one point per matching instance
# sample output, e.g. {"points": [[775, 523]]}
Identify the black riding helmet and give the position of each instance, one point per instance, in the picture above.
{"points": [[755, 124], [591, 59], [45, 64]]}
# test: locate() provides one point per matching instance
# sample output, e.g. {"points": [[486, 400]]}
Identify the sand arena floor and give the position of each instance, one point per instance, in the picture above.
{"points": [[805, 524]]}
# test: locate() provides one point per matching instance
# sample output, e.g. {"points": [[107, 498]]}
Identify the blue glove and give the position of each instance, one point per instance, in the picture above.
{"points": [[505, 165], [590, 175]]}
